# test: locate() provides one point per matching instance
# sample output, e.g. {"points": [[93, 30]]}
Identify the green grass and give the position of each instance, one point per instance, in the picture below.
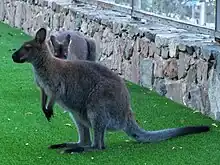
{"points": [[22, 123]]}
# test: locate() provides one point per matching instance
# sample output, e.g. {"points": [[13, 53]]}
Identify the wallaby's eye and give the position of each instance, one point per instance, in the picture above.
{"points": [[27, 47]]}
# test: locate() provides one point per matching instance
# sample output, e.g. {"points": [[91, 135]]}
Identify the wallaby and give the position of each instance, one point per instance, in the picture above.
{"points": [[73, 45], [96, 97]]}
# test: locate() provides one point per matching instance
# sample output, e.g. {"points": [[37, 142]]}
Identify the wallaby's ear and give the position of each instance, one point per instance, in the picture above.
{"points": [[41, 35], [53, 39], [68, 37]]}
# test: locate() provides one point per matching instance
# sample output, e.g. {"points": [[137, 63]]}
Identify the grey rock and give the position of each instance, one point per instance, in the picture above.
{"points": [[10, 13], [213, 92], [152, 49], [128, 51], [56, 21], [183, 64], [158, 51], [205, 102], [163, 40], [116, 28], [158, 66], [194, 55], [192, 98], [84, 27], [68, 22], [206, 52], [146, 73], [159, 86], [191, 75], [165, 52], [197, 51], [126, 69], [19, 14], [202, 71], [92, 28], [136, 63], [144, 47], [150, 36], [56, 7], [174, 90], [182, 47], [61, 20], [2, 10], [116, 57], [77, 21], [171, 69], [190, 50], [45, 3], [210, 51], [173, 51], [106, 32], [192, 61]]}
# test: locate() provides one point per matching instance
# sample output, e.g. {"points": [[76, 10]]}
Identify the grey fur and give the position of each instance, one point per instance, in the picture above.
{"points": [[69, 45], [78, 47], [95, 97]]}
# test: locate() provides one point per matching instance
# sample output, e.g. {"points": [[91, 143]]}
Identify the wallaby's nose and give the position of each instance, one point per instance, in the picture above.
{"points": [[15, 57]]}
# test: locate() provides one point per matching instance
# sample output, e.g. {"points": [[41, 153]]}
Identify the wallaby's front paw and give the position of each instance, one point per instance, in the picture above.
{"points": [[48, 113]]}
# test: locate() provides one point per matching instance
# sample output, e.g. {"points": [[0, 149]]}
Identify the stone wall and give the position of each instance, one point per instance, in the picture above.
{"points": [[178, 64]]}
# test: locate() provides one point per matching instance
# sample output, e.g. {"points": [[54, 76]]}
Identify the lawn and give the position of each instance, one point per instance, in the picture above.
{"points": [[26, 134]]}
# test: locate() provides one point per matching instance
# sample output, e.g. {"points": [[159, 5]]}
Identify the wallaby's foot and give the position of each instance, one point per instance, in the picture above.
{"points": [[82, 149], [70, 148], [64, 145], [48, 113]]}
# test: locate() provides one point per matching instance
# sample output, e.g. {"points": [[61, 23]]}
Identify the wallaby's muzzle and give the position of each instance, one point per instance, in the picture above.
{"points": [[17, 58]]}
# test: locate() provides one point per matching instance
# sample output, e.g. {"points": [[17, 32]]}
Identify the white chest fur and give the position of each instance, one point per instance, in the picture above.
{"points": [[42, 84]]}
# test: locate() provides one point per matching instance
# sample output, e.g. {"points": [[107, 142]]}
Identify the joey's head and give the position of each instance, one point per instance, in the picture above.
{"points": [[32, 49], [60, 48]]}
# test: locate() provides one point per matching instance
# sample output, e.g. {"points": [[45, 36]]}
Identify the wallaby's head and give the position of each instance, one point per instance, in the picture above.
{"points": [[60, 48], [31, 49]]}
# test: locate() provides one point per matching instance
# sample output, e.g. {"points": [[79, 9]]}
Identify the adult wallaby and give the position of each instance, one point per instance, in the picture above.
{"points": [[73, 45], [95, 97], [70, 45]]}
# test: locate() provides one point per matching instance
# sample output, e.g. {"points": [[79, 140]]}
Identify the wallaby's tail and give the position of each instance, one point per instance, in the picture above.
{"points": [[141, 135], [91, 44]]}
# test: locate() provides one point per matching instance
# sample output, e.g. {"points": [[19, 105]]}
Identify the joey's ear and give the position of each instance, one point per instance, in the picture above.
{"points": [[41, 35], [53, 40], [67, 39]]}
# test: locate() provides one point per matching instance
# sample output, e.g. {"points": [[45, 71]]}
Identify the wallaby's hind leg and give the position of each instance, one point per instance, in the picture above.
{"points": [[84, 137], [98, 123], [83, 131], [99, 133]]}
